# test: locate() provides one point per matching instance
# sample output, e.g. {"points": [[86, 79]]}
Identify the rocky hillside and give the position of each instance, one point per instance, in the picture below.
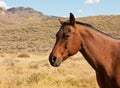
{"points": [[23, 11], [27, 30], [21, 15]]}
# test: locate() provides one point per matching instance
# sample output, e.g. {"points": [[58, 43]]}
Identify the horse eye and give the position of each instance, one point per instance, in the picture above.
{"points": [[65, 36]]}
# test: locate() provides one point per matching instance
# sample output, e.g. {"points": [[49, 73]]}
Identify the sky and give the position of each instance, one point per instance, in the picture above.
{"points": [[80, 8]]}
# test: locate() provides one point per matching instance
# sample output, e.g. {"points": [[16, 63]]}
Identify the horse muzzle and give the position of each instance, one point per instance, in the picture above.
{"points": [[54, 61]]}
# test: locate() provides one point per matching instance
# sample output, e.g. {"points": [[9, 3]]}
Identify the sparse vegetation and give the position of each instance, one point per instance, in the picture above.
{"points": [[23, 55]]}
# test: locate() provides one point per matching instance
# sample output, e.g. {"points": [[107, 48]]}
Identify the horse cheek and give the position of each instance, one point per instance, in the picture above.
{"points": [[74, 47]]}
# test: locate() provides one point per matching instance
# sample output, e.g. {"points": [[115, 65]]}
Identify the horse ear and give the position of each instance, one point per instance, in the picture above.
{"points": [[72, 19], [61, 21]]}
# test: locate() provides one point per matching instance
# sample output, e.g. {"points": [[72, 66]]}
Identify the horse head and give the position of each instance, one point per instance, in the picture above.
{"points": [[68, 41]]}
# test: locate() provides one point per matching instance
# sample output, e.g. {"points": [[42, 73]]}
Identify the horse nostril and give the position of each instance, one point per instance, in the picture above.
{"points": [[53, 59]]}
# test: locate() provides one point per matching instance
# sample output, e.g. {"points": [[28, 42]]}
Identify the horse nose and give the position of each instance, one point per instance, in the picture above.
{"points": [[53, 59]]}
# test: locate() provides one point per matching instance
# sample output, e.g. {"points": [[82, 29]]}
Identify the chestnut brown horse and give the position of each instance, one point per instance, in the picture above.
{"points": [[101, 51]]}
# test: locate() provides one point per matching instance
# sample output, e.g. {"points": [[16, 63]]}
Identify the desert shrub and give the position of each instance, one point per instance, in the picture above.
{"points": [[24, 55]]}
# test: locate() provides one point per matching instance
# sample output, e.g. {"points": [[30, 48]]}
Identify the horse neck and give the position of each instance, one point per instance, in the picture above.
{"points": [[95, 47]]}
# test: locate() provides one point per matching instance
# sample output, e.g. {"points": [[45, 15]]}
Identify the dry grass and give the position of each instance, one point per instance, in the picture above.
{"points": [[36, 72]]}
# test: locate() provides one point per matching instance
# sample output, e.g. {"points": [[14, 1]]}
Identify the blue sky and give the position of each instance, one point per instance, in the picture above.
{"points": [[80, 8]]}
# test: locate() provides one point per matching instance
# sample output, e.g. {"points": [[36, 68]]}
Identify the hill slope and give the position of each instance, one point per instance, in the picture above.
{"points": [[21, 15], [27, 30]]}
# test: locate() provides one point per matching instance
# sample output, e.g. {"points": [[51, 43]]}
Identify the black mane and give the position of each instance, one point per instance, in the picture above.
{"points": [[81, 23], [85, 24], [88, 25]]}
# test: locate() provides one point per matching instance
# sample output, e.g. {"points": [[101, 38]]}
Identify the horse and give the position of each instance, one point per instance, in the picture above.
{"points": [[100, 50]]}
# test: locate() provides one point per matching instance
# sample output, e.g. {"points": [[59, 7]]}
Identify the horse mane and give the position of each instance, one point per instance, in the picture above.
{"points": [[85, 24], [81, 23], [90, 26]]}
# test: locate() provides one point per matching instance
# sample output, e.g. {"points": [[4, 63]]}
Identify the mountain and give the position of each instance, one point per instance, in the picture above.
{"points": [[23, 11], [21, 15]]}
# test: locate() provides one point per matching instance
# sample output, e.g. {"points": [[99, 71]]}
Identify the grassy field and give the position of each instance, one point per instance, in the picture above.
{"points": [[26, 70]]}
